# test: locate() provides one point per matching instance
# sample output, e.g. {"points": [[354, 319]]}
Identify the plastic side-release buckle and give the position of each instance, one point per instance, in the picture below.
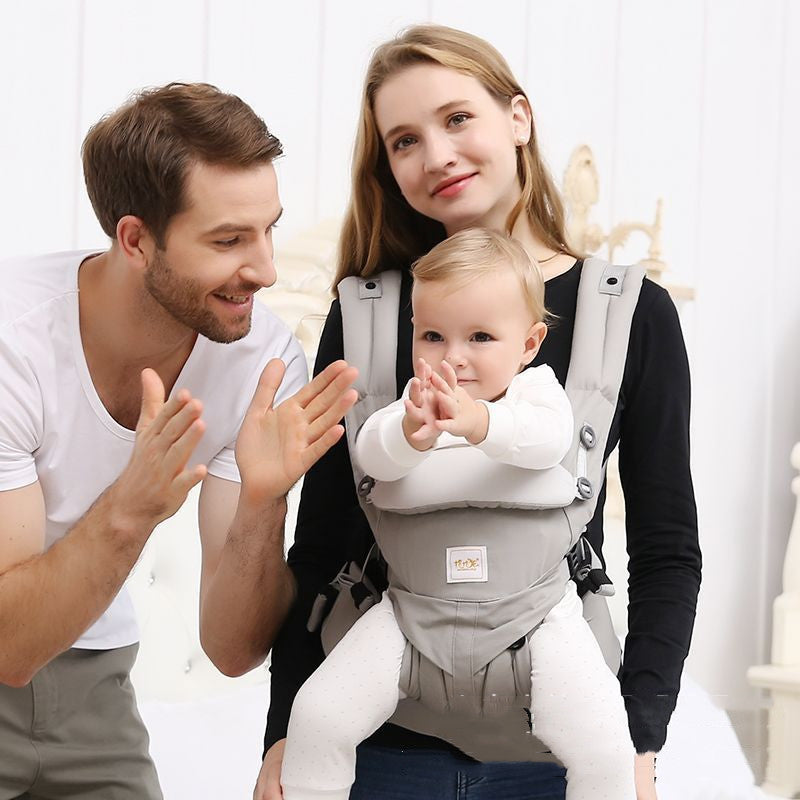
{"points": [[324, 601], [600, 583], [363, 595], [579, 560], [322, 605], [586, 569]]}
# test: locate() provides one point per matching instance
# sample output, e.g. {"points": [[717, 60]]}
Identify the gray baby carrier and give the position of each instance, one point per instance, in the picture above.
{"points": [[473, 573]]}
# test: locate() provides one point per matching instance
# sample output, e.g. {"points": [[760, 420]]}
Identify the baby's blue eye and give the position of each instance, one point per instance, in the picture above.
{"points": [[481, 336], [432, 336]]}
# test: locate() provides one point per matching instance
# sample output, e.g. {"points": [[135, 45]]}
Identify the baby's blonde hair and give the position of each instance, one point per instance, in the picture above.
{"points": [[476, 253]]}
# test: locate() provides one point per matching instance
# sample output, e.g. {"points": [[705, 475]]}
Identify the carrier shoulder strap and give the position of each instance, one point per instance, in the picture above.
{"points": [[607, 298], [370, 309]]}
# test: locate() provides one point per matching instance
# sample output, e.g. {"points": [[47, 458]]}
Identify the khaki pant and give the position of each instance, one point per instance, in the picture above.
{"points": [[74, 732]]}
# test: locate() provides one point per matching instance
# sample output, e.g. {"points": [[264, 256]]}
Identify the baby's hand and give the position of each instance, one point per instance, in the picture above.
{"points": [[419, 422], [458, 413]]}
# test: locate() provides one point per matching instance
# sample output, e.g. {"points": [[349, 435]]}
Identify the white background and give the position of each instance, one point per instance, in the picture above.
{"points": [[696, 102]]}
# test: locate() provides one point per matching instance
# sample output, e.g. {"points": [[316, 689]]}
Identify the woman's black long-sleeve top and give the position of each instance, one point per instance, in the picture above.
{"points": [[651, 426]]}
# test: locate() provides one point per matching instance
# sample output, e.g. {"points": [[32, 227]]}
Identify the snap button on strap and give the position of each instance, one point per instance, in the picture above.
{"points": [[587, 436], [585, 488], [365, 486]]}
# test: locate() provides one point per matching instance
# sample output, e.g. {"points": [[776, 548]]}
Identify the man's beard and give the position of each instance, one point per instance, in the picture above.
{"points": [[184, 301]]}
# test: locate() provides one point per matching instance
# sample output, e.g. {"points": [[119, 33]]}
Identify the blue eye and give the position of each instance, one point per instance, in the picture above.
{"points": [[432, 336], [481, 336], [458, 119], [403, 143], [228, 242]]}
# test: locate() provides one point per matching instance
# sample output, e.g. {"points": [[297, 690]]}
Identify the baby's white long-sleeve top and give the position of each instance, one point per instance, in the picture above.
{"points": [[531, 426]]}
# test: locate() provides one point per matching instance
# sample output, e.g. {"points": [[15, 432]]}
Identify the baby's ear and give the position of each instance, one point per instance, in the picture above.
{"points": [[533, 341]]}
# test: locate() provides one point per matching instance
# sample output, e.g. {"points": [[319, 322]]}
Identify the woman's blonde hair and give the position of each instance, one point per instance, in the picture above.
{"points": [[478, 253], [381, 230]]}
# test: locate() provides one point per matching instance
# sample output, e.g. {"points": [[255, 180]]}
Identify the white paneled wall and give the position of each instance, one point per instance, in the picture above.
{"points": [[352, 29], [736, 372], [270, 54], [571, 69], [39, 135], [657, 132], [783, 348], [126, 46], [695, 102]]}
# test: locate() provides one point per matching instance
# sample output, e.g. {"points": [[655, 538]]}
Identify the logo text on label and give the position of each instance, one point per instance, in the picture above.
{"points": [[467, 564]]}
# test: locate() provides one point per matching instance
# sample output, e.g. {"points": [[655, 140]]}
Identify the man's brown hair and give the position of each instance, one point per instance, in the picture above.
{"points": [[135, 160]]}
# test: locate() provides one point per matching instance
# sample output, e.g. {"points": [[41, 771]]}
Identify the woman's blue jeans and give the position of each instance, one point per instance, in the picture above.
{"points": [[384, 773]]}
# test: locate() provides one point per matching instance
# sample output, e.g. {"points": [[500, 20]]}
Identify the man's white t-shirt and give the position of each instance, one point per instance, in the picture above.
{"points": [[55, 429]]}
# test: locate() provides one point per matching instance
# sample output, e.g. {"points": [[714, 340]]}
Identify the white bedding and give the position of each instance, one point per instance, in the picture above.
{"points": [[211, 749]]}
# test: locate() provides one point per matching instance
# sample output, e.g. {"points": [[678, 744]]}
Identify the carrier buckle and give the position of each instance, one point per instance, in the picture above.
{"points": [[587, 437], [586, 569], [579, 561], [585, 488], [363, 595], [600, 583], [365, 486], [321, 606]]}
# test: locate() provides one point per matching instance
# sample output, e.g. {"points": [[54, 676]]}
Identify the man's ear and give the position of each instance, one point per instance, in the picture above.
{"points": [[135, 242], [533, 341]]}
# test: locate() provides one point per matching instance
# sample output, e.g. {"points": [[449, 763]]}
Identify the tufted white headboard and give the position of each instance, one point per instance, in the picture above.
{"points": [[165, 586]]}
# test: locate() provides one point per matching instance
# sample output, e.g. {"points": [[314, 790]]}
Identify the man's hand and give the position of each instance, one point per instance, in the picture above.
{"points": [[277, 446], [156, 480], [459, 414], [644, 771], [268, 785], [419, 422]]}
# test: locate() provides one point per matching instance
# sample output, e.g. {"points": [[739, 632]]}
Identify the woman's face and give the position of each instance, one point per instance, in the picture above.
{"points": [[452, 146]]}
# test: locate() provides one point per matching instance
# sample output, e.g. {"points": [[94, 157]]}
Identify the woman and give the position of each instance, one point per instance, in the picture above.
{"points": [[446, 141]]}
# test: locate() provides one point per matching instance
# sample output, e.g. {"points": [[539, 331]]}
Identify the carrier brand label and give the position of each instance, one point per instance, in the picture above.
{"points": [[467, 565]]}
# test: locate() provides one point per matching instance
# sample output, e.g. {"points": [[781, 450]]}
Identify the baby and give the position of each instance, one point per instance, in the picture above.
{"points": [[479, 321]]}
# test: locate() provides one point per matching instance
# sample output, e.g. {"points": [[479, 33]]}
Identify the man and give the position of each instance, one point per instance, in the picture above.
{"points": [[127, 377]]}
